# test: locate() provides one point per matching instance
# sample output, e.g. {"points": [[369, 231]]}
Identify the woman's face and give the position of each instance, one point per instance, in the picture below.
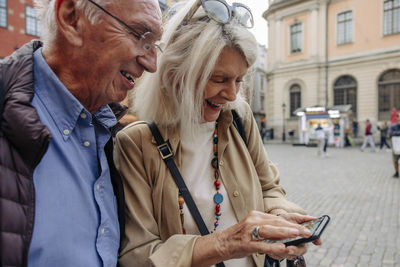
{"points": [[224, 83]]}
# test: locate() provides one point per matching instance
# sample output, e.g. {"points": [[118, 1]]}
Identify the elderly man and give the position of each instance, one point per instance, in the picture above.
{"points": [[58, 187]]}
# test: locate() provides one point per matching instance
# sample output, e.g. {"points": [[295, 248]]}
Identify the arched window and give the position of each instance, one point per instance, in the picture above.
{"points": [[295, 98], [389, 93], [345, 93]]}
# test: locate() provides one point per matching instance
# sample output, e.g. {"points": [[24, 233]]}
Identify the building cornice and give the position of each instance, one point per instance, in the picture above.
{"points": [[285, 5], [338, 62]]}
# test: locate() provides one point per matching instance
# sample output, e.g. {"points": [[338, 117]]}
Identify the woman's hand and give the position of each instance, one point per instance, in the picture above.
{"points": [[237, 241], [294, 250]]}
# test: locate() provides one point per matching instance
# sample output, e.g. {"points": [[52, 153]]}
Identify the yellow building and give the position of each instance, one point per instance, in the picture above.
{"points": [[332, 52]]}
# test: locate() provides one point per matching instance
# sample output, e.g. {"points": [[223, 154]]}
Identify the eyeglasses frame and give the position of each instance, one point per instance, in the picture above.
{"points": [[138, 35]]}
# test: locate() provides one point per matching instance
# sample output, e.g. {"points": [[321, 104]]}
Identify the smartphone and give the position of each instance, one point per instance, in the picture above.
{"points": [[316, 228]]}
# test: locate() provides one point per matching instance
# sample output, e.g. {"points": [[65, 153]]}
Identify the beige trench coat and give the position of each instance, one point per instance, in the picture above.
{"points": [[153, 234]]}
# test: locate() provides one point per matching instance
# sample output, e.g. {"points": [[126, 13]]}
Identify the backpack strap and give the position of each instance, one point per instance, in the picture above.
{"points": [[1, 102], [117, 187], [238, 123]]}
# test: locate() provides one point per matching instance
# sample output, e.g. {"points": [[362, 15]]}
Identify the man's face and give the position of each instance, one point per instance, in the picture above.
{"points": [[111, 56]]}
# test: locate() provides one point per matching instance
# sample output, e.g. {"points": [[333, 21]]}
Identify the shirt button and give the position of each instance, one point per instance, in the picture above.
{"points": [[66, 132], [83, 115], [102, 231], [86, 143], [236, 194], [221, 163], [98, 187]]}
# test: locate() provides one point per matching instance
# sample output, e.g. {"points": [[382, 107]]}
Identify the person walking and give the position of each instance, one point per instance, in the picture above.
{"points": [[263, 129], [232, 182], [355, 128], [394, 133], [368, 138], [321, 137], [384, 130], [60, 192]]}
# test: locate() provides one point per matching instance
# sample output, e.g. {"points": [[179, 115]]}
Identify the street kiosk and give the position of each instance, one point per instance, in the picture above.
{"points": [[334, 120]]}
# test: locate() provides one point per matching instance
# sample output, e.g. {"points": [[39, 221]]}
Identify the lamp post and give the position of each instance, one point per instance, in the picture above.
{"points": [[283, 122]]}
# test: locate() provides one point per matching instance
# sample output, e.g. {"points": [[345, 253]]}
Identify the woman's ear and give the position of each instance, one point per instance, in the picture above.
{"points": [[68, 20]]}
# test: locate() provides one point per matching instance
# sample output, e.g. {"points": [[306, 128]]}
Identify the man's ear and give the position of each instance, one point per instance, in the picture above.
{"points": [[67, 18]]}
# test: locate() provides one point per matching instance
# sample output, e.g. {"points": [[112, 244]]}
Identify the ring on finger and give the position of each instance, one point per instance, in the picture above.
{"points": [[255, 235]]}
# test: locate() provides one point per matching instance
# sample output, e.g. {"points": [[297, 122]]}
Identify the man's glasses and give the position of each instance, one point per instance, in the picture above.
{"points": [[222, 12], [146, 40]]}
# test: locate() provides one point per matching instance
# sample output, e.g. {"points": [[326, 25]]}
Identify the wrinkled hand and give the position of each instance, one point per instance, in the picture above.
{"points": [[237, 242], [295, 250]]}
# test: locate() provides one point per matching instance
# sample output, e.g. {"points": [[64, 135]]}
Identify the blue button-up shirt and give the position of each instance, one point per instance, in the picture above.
{"points": [[76, 222]]}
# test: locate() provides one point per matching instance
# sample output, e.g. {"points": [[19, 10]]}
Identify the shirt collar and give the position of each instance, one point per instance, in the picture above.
{"points": [[62, 106]]}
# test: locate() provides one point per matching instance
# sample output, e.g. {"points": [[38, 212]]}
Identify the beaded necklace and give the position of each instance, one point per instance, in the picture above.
{"points": [[218, 198]]}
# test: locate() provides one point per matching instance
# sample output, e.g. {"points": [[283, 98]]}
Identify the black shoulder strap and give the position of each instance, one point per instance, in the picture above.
{"points": [[117, 187], [238, 123], [168, 156], [1, 101]]}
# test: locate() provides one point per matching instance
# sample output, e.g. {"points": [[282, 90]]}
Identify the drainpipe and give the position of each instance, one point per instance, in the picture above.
{"points": [[326, 54]]}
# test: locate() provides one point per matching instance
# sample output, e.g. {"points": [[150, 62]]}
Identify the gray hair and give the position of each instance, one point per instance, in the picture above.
{"points": [[46, 13], [173, 96]]}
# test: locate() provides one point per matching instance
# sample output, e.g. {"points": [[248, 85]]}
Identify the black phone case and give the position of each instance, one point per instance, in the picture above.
{"points": [[314, 236]]}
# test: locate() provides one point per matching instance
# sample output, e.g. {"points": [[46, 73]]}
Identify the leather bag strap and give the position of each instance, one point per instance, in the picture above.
{"points": [[168, 156]]}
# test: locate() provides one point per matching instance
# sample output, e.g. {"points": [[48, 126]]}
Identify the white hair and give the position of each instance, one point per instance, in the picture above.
{"points": [[173, 95], [45, 11]]}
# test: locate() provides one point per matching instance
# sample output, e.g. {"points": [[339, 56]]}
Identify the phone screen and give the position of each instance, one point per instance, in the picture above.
{"points": [[315, 226]]}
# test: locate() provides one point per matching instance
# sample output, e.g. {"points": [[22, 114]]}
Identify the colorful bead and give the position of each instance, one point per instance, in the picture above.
{"points": [[181, 200], [218, 198]]}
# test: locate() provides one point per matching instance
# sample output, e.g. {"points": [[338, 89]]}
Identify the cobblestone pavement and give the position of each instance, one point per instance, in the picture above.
{"points": [[357, 191]]}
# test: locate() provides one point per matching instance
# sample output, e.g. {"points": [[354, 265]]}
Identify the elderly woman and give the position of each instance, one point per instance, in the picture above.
{"points": [[201, 70]]}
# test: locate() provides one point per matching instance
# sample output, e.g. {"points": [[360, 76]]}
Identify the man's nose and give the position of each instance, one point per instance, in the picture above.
{"points": [[148, 61]]}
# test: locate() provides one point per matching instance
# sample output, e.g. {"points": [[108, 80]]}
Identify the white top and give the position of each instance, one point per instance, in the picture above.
{"points": [[199, 178]]}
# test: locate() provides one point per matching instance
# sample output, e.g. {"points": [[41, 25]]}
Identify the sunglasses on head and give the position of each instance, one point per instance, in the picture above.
{"points": [[222, 12]]}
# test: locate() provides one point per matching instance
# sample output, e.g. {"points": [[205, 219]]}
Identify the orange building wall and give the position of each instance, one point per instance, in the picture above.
{"points": [[14, 36], [367, 28], [303, 18]]}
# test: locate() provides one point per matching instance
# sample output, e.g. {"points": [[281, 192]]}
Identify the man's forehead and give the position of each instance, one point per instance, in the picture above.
{"points": [[143, 13]]}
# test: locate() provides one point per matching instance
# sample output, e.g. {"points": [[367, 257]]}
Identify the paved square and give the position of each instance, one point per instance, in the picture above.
{"points": [[357, 191]]}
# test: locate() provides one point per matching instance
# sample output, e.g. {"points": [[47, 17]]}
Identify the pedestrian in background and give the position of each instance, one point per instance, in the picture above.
{"points": [[394, 133], [263, 130], [58, 184], [384, 130], [320, 135], [355, 128], [232, 182], [368, 138]]}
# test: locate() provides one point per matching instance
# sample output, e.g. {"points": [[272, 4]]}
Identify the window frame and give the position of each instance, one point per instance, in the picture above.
{"points": [[299, 37], [392, 88], [5, 8], [344, 35], [345, 91], [392, 12], [294, 98], [30, 18]]}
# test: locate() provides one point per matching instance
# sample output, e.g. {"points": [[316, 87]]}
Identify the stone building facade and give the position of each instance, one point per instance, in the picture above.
{"points": [[332, 52]]}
